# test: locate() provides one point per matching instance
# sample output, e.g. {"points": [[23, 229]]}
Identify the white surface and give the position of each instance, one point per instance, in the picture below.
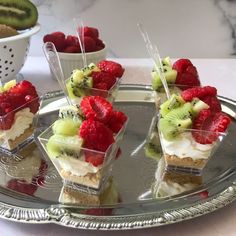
{"points": [[216, 72]]}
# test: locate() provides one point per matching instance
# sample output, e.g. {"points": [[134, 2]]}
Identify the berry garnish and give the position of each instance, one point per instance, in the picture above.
{"points": [[198, 92], [103, 77], [213, 103], [96, 159], [181, 65], [56, 40], [96, 135], [91, 32], [89, 44], [6, 119], [208, 125], [96, 108], [117, 121], [111, 67]]}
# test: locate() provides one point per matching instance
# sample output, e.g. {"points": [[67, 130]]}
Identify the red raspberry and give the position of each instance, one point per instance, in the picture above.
{"points": [[213, 103], [96, 135], [96, 159], [198, 92], [99, 44], [71, 40], [6, 119], [102, 86], [212, 122], [103, 77], [72, 49], [111, 67], [89, 44], [24, 88], [59, 34], [91, 32], [96, 108], [117, 121], [32, 103], [57, 41], [182, 64]]}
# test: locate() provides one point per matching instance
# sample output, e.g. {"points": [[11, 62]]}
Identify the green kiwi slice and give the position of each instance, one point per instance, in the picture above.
{"points": [[19, 14]]}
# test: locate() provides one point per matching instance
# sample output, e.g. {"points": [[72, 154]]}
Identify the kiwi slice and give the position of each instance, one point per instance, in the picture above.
{"points": [[166, 62], [198, 105], [67, 126], [153, 148], [89, 69], [176, 121], [172, 103], [72, 112], [18, 14], [64, 145]]}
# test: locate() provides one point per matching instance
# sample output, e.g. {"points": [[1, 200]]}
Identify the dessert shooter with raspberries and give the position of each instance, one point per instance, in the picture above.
{"points": [[84, 142], [19, 104], [179, 76], [191, 126]]}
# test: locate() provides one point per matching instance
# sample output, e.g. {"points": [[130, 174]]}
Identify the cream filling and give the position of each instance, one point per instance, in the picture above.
{"points": [[22, 121], [77, 167], [185, 146]]}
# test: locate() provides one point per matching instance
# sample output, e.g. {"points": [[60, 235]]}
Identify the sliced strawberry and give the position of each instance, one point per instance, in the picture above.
{"points": [[117, 121], [198, 92], [208, 125], [96, 159], [96, 135], [111, 67], [96, 108], [57, 41], [91, 32]]}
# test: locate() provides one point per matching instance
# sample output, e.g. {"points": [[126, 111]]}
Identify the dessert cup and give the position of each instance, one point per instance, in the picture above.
{"points": [[184, 153], [73, 168], [23, 119]]}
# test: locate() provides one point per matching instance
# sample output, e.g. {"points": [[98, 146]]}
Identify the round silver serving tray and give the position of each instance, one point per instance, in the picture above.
{"points": [[30, 187]]}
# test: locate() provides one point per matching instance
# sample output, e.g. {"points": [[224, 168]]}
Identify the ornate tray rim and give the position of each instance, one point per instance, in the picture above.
{"points": [[66, 216]]}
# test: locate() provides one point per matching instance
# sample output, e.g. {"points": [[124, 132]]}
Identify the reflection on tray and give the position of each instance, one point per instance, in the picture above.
{"points": [[169, 183]]}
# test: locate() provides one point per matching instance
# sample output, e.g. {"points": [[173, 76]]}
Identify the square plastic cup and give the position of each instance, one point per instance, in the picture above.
{"points": [[109, 95], [73, 168], [184, 153], [17, 126]]}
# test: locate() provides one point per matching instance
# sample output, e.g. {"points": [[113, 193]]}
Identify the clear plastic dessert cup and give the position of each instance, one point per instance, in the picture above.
{"points": [[17, 126], [184, 153], [73, 168], [109, 95]]}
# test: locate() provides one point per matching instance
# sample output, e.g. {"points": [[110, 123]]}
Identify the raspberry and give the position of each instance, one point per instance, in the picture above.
{"points": [[91, 32], [198, 92], [111, 67], [57, 41], [96, 108], [182, 64], [102, 86], [6, 120], [71, 41], [71, 49], [24, 88], [99, 44], [59, 34], [96, 135], [212, 122], [89, 44], [103, 77], [117, 121], [212, 102], [96, 159]]}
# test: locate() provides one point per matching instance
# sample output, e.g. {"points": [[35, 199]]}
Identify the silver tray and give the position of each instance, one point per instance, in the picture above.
{"points": [[37, 200]]}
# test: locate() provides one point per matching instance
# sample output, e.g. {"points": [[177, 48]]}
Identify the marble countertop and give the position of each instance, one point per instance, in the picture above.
{"points": [[216, 72]]}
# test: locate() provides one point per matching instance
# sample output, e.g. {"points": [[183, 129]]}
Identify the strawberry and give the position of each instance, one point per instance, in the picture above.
{"points": [[89, 44], [96, 135], [57, 41], [198, 92], [117, 121], [111, 67], [96, 108], [208, 125], [103, 77], [91, 32], [96, 159], [6, 120], [24, 88], [32, 103], [71, 49]]}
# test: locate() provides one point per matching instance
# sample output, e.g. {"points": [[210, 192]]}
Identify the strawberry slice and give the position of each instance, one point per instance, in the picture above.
{"points": [[209, 125], [96, 108]]}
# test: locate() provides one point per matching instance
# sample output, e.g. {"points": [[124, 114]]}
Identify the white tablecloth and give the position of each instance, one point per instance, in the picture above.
{"points": [[220, 73]]}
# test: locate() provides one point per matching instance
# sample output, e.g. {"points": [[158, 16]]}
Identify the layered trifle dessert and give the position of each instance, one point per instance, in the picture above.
{"points": [[102, 80], [19, 104], [83, 142], [191, 126], [179, 76]]}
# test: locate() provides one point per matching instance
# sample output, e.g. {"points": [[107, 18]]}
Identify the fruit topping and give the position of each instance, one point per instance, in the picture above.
{"points": [[102, 79], [96, 135], [182, 64], [117, 121], [95, 159], [70, 43], [208, 125], [111, 67]]}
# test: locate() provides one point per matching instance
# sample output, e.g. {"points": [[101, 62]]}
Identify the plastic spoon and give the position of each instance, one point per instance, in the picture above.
{"points": [[155, 56], [51, 55], [79, 26]]}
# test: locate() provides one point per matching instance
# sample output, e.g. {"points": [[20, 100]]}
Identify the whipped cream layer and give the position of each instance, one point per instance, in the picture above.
{"points": [[78, 167], [185, 146], [22, 121]]}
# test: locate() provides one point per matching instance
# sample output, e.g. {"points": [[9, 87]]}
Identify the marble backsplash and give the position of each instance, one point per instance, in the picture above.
{"points": [[180, 28]]}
